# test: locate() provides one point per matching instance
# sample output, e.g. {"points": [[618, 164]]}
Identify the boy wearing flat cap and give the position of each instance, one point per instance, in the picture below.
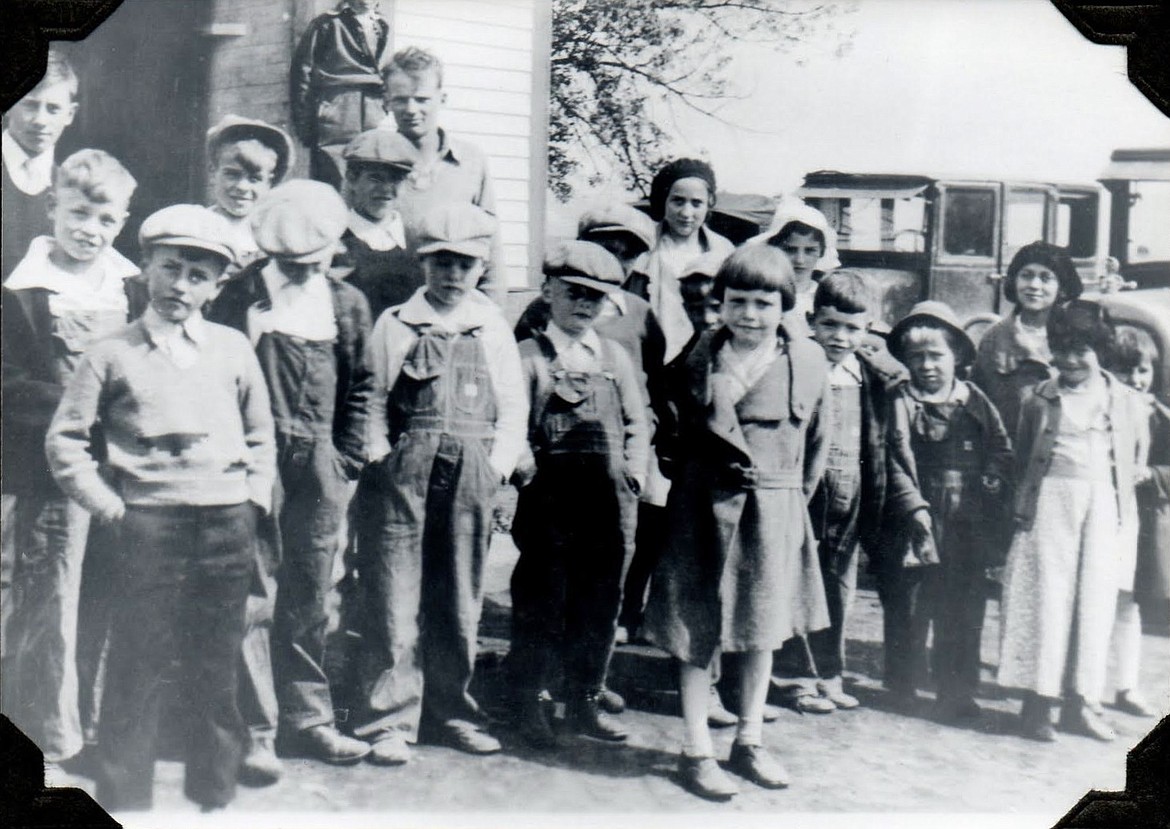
{"points": [[246, 158], [184, 418], [575, 518], [377, 162], [447, 425], [310, 335]]}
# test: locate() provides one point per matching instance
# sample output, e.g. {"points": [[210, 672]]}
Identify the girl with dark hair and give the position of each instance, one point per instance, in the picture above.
{"points": [[1081, 444], [1014, 354], [681, 195]]}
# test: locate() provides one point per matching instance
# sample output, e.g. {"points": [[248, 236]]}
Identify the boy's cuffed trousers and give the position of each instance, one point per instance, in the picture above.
{"points": [[182, 575], [40, 657], [423, 519]]}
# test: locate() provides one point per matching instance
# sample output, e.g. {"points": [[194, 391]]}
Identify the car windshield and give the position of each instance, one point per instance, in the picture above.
{"points": [[1148, 239]]}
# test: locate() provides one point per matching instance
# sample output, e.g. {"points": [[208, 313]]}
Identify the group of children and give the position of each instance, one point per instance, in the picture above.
{"points": [[718, 422]]}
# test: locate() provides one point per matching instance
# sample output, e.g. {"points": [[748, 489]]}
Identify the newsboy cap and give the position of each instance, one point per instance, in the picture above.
{"points": [[381, 146], [584, 263], [298, 220], [238, 128], [188, 226], [618, 217], [459, 227]]}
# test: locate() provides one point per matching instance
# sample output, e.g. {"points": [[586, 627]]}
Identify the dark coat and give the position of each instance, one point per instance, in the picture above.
{"points": [[31, 383], [715, 472], [354, 378], [1152, 582]]}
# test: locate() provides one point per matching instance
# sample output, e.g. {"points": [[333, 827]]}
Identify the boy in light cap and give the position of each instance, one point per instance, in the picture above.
{"points": [[384, 268], [184, 417], [310, 335], [447, 425], [246, 158], [575, 517]]}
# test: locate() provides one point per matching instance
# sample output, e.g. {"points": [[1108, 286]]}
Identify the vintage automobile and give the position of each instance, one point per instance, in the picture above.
{"points": [[1139, 232], [922, 237]]}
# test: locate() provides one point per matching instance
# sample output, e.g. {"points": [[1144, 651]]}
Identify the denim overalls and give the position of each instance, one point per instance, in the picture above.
{"points": [[574, 525], [309, 505], [423, 517]]}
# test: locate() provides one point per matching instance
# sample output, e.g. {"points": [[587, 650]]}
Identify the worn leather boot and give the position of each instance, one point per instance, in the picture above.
{"points": [[584, 716], [533, 720]]}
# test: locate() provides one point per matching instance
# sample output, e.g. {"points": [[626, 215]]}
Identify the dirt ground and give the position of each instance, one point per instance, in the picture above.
{"points": [[870, 760]]}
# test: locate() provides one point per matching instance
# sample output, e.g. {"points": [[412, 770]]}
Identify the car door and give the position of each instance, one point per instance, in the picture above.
{"points": [[965, 247]]}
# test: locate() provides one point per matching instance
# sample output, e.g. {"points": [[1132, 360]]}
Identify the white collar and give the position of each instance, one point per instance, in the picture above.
{"points": [[474, 311], [562, 341], [31, 174], [384, 235], [36, 269], [959, 394], [850, 366], [159, 329]]}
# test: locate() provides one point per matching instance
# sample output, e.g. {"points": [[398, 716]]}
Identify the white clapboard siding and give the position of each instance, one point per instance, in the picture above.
{"points": [[487, 51]]}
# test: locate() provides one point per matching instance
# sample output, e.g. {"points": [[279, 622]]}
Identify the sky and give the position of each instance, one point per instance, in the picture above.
{"points": [[993, 88]]}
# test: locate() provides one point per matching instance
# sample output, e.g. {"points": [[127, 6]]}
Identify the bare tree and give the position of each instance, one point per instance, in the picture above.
{"points": [[613, 59]]}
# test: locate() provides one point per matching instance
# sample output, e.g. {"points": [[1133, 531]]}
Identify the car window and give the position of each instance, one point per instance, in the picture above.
{"points": [[969, 222], [1076, 223], [864, 223], [1148, 239], [1023, 220]]}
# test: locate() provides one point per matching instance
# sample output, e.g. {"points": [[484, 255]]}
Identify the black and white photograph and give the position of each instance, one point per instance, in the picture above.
{"points": [[584, 412]]}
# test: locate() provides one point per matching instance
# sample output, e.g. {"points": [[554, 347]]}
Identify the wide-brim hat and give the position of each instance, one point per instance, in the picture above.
{"points": [[299, 220], [458, 227], [381, 146], [617, 217], [793, 209], [238, 128], [188, 226], [936, 314], [584, 263]]}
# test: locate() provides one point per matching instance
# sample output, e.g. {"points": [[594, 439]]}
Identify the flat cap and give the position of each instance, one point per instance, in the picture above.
{"points": [[617, 217], [299, 220], [188, 226], [459, 227], [238, 128], [584, 263], [381, 146], [705, 266]]}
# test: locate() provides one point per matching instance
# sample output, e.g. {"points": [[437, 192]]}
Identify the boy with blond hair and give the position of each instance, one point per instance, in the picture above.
{"points": [[70, 289]]}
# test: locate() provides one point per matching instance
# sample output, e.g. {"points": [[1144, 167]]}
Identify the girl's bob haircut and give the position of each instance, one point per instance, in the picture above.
{"points": [[757, 268], [1081, 324], [1050, 256]]}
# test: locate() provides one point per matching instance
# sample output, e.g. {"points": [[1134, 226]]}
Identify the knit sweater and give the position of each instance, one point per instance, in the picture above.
{"points": [[200, 435]]}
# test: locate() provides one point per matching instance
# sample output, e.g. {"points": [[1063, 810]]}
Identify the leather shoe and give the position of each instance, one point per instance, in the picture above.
{"points": [[1079, 718], [717, 715], [1131, 702], [758, 766], [389, 750], [610, 701], [958, 709], [808, 702], [702, 776], [260, 766], [1036, 720], [465, 737], [834, 691], [533, 720], [584, 716], [326, 743]]}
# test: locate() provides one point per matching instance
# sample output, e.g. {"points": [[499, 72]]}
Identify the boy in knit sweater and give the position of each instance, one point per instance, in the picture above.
{"points": [[187, 429]]}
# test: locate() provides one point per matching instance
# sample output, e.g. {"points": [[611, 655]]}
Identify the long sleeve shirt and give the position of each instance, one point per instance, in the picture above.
{"points": [[392, 340], [184, 413]]}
